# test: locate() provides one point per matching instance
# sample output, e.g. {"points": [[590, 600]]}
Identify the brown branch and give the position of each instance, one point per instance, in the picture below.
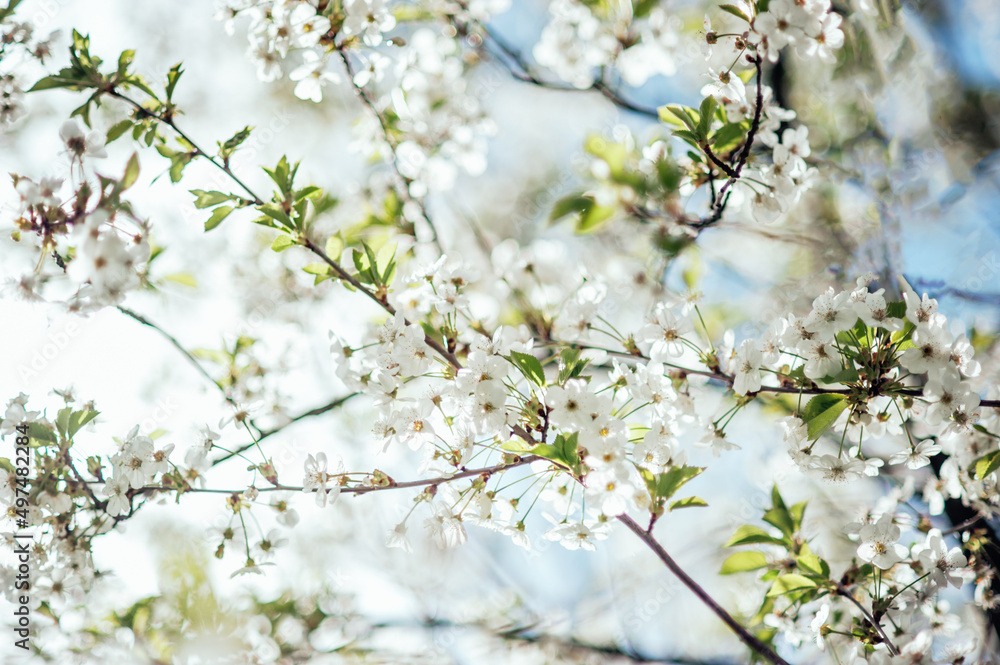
{"points": [[362, 489], [720, 202], [745, 636]]}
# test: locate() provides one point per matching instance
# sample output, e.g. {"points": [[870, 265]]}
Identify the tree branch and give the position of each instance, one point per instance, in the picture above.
{"points": [[419, 201], [745, 636], [893, 651]]}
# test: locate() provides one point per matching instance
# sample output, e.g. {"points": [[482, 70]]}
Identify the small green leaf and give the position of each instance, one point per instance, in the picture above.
{"points": [[678, 116], [987, 464], [277, 214], [728, 137], [568, 205], [317, 269], [77, 420], [40, 432], [707, 111], [813, 565], [822, 412], [691, 138], [529, 366], [749, 534], [334, 247], [792, 582], [227, 148], [131, 172], [118, 129], [593, 218], [173, 76], [207, 199], [518, 446], [218, 215], [735, 11], [741, 562], [690, 502], [282, 242], [668, 483]]}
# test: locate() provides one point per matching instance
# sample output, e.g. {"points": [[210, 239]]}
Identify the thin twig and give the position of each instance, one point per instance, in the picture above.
{"points": [[842, 591], [523, 72], [318, 411], [194, 146], [405, 189], [382, 301], [745, 636], [362, 489]]}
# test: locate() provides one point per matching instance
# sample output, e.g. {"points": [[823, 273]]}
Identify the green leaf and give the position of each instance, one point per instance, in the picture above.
{"points": [[9, 9], [180, 160], [741, 562], [334, 247], [77, 420], [277, 214], [689, 502], [518, 446], [173, 76], [131, 172], [563, 451], [668, 483], [282, 242], [822, 412], [792, 582], [896, 309], [317, 269], [227, 148], [62, 421], [987, 464], [813, 565], [207, 199], [707, 111], [735, 11], [691, 138], [40, 432], [678, 116], [218, 215], [568, 205], [749, 534], [593, 218], [572, 366], [728, 137], [530, 367], [124, 60], [118, 129], [64, 79], [797, 512]]}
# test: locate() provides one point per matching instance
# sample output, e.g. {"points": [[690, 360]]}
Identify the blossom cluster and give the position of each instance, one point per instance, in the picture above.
{"points": [[107, 261]]}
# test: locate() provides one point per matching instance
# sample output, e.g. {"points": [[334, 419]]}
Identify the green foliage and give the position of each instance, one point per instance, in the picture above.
{"points": [[529, 366], [69, 422], [589, 216], [735, 11], [563, 451], [663, 486], [570, 365], [821, 412]]}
